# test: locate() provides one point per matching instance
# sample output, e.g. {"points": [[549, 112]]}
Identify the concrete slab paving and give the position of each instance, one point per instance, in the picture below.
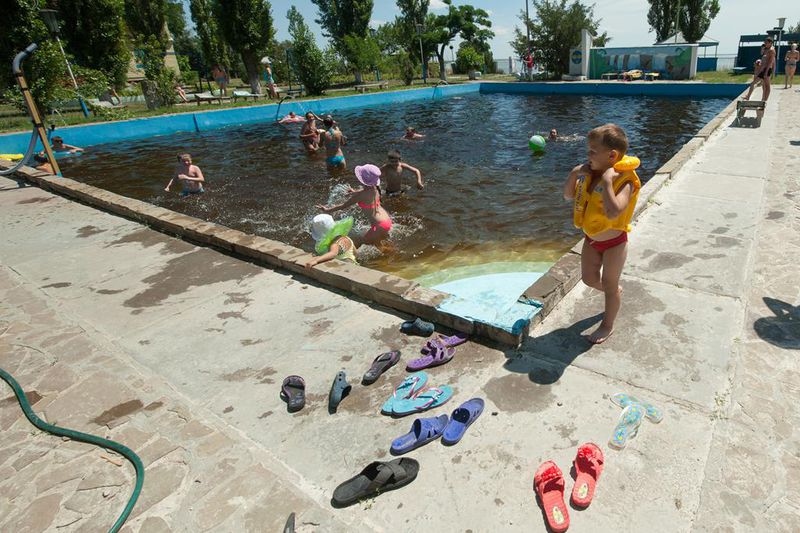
{"points": [[178, 351]]}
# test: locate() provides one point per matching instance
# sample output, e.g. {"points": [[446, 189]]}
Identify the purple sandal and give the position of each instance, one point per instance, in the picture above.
{"points": [[438, 354], [448, 342]]}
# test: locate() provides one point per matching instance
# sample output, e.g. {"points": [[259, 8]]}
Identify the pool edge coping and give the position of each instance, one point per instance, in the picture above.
{"points": [[385, 289], [565, 273]]}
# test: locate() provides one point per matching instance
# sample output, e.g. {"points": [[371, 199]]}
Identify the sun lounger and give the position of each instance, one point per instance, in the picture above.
{"points": [[632, 75], [652, 76], [208, 97], [245, 95], [96, 105], [611, 76], [367, 86]]}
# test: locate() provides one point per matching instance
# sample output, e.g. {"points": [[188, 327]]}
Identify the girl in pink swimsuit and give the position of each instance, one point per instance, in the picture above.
{"points": [[367, 198]]}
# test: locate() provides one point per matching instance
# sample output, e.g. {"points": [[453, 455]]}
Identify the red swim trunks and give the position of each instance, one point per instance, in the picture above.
{"points": [[602, 246]]}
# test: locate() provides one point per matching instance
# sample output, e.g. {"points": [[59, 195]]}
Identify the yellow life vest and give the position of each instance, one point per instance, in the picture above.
{"points": [[588, 212]]}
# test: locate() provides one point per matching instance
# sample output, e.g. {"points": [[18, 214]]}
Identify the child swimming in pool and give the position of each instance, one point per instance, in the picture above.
{"points": [[332, 240], [368, 198], [412, 135], [604, 199], [189, 175], [392, 174]]}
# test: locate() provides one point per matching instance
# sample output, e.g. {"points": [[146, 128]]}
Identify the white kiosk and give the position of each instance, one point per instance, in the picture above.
{"points": [[579, 59]]}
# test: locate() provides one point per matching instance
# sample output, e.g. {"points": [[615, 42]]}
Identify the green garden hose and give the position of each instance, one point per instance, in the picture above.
{"points": [[83, 437]]}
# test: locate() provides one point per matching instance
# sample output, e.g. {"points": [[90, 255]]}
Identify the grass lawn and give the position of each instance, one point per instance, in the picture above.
{"points": [[723, 77]]}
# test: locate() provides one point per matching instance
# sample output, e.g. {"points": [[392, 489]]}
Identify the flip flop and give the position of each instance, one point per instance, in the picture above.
{"points": [[339, 389], [289, 527], [417, 327], [428, 399], [652, 412], [423, 431], [588, 466], [375, 479], [449, 342], [548, 483], [461, 419], [438, 355], [629, 421], [407, 389], [381, 364], [293, 392]]}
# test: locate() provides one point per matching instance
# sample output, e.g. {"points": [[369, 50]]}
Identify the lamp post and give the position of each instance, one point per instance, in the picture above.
{"points": [[50, 20], [422, 55], [528, 28], [779, 27]]}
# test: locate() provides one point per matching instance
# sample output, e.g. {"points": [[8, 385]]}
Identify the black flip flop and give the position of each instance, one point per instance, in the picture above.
{"points": [[375, 479], [289, 527], [293, 392], [381, 364], [339, 389]]}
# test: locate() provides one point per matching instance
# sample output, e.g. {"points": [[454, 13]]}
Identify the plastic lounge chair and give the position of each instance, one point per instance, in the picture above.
{"points": [[96, 105], [209, 97], [245, 95]]}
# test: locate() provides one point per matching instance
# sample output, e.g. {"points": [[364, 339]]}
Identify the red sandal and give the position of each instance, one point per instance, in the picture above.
{"points": [[588, 466], [548, 483]]}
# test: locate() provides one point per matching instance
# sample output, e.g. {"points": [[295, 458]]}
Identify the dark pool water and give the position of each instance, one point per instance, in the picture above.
{"points": [[487, 198]]}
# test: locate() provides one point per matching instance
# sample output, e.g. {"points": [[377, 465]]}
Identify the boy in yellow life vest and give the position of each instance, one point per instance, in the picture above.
{"points": [[604, 193]]}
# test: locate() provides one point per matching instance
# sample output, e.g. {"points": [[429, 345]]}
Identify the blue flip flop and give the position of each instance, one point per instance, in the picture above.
{"points": [[461, 419], [427, 399], [423, 431], [407, 389]]}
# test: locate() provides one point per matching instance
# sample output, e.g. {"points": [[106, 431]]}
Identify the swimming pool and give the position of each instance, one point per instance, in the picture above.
{"points": [[487, 199]]}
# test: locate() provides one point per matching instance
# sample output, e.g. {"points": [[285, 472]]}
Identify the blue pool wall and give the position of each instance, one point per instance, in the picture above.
{"points": [[143, 128]]}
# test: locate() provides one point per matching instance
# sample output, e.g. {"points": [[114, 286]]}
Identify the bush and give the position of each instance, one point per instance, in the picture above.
{"points": [[312, 65], [468, 59], [405, 67], [190, 77]]}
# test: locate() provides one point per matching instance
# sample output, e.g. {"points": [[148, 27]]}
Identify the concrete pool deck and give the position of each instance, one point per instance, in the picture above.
{"points": [[178, 351]]}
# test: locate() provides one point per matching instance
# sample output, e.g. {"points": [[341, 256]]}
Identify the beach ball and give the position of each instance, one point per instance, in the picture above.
{"points": [[537, 143]]}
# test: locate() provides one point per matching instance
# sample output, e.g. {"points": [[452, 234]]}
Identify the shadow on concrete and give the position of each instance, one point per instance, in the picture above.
{"points": [[783, 329], [545, 358]]}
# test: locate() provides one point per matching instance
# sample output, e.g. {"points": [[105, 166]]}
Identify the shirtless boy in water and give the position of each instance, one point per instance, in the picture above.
{"points": [[392, 174], [412, 135], [190, 176]]}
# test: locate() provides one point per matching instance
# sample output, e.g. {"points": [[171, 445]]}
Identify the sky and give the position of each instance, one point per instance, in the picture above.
{"points": [[624, 20]]}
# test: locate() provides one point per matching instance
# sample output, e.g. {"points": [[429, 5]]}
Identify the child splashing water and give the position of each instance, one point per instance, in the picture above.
{"points": [[604, 191], [368, 198], [331, 240]]}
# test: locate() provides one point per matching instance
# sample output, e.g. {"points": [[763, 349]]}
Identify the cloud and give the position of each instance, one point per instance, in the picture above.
{"points": [[374, 23], [502, 31], [437, 4]]}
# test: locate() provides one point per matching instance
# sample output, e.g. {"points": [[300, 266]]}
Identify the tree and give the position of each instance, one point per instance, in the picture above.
{"points": [[212, 44], [696, 17], [94, 32], [466, 21], [346, 23], [247, 27], [468, 58], [691, 17], [794, 29], [309, 63], [146, 18], [413, 12], [661, 17], [555, 28]]}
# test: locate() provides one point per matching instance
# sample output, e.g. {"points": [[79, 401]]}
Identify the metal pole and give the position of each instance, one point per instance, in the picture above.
{"points": [[677, 20], [777, 55], [72, 77], [528, 29]]}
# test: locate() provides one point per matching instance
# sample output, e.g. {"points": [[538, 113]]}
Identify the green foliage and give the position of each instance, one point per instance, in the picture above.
{"points": [[405, 67], [21, 27], [91, 83], [692, 17], [340, 18], [555, 28], [94, 32], [468, 22], [794, 29], [146, 18], [183, 64], [362, 53], [190, 77], [247, 28], [212, 44], [280, 66], [661, 17], [696, 17], [467, 58], [309, 63]]}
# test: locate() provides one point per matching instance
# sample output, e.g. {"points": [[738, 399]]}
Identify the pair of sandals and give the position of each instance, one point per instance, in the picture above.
{"points": [[451, 430], [437, 352], [293, 389], [633, 412], [548, 483], [411, 397]]}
